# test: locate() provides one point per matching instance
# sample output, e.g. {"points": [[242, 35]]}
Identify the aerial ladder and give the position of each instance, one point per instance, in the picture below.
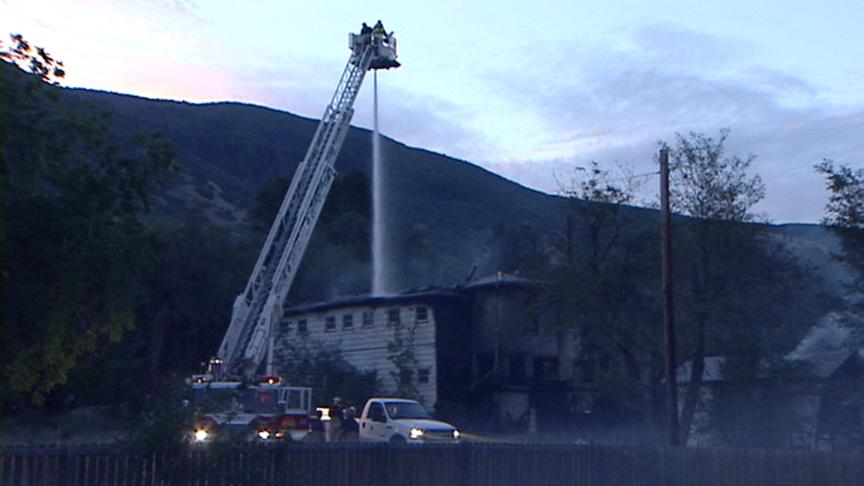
{"points": [[255, 311]]}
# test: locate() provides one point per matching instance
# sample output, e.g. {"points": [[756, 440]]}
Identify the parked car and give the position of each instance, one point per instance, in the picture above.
{"points": [[402, 421]]}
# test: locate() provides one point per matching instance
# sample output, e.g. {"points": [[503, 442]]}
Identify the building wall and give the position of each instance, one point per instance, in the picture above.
{"points": [[525, 335], [365, 344]]}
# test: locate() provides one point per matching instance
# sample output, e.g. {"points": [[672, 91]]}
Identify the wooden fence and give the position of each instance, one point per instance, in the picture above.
{"points": [[357, 464]]}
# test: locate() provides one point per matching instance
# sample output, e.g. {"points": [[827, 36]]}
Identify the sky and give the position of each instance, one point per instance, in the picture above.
{"points": [[528, 90]]}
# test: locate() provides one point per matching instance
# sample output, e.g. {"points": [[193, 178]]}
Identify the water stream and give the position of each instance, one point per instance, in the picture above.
{"points": [[380, 264]]}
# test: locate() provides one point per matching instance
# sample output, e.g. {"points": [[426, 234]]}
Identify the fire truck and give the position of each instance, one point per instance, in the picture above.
{"points": [[233, 393], [266, 410]]}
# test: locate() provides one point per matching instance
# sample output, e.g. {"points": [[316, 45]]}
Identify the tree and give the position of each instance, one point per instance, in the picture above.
{"points": [[35, 60], [845, 210], [736, 285], [72, 204], [401, 353], [604, 290], [845, 217], [306, 362]]}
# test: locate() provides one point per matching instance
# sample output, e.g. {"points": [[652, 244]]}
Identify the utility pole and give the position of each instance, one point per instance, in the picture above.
{"points": [[668, 304]]}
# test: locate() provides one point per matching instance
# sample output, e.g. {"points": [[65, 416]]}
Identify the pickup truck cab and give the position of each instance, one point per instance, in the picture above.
{"points": [[401, 421]]}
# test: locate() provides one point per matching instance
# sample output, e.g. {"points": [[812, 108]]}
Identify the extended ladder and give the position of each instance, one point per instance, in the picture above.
{"points": [[260, 305]]}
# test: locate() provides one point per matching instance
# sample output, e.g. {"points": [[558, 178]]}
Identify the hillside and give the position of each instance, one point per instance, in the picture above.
{"points": [[227, 151], [240, 146]]}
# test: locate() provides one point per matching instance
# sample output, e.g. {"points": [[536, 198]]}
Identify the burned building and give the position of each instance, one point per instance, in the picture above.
{"points": [[489, 341]]}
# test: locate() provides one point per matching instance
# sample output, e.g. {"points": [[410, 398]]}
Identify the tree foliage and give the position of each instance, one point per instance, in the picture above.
{"points": [[845, 212], [605, 290], [35, 60], [707, 183], [75, 242], [736, 285], [305, 362]]}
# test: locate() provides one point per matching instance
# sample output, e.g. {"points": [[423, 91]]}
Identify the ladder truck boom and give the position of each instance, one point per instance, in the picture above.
{"points": [[255, 310]]}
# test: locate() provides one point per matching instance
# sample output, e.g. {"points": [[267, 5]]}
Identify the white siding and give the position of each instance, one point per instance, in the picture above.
{"points": [[365, 348]]}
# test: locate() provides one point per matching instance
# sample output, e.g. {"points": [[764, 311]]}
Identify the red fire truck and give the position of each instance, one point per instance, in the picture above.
{"points": [[267, 410]]}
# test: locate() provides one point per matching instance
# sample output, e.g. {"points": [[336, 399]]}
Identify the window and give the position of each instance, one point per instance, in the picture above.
{"points": [[376, 412], [421, 313], [393, 317], [285, 325], [423, 375], [348, 321], [368, 320], [302, 326], [329, 324]]}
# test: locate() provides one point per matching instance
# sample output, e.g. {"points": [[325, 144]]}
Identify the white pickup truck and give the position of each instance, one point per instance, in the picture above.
{"points": [[400, 421]]}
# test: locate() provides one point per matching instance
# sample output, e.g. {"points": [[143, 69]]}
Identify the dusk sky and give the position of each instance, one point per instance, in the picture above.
{"points": [[528, 90]]}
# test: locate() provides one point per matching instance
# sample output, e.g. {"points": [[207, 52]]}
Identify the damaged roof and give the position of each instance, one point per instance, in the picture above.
{"points": [[499, 279], [368, 300]]}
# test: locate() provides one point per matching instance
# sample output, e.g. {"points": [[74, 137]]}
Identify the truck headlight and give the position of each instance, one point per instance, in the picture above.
{"points": [[263, 434], [201, 435], [416, 433], [456, 434]]}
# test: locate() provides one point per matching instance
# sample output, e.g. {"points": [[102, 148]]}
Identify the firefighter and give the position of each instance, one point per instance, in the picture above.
{"points": [[379, 30]]}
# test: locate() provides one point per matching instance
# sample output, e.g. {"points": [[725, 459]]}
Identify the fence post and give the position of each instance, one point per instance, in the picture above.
{"points": [[463, 464], [70, 474]]}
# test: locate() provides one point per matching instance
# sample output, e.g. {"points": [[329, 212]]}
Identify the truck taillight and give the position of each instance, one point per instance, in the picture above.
{"points": [[291, 422]]}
